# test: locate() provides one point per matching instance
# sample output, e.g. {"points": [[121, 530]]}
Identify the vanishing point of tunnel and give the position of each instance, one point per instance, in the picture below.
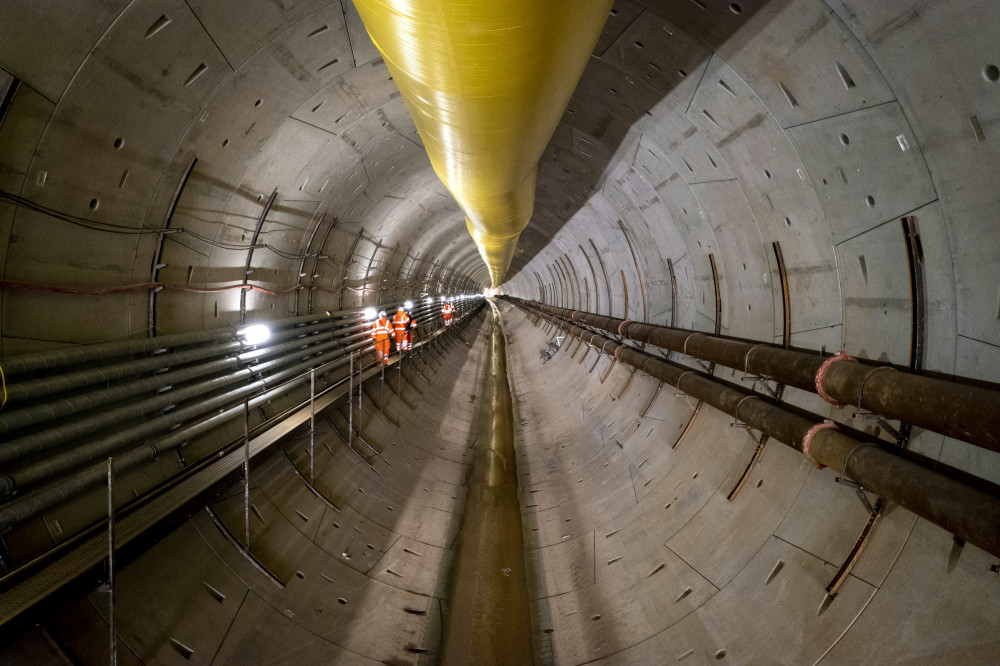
{"points": [[691, 332]]}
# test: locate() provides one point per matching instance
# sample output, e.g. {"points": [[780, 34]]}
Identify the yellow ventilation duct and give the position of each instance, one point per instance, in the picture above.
{"points": [[486, 82]]}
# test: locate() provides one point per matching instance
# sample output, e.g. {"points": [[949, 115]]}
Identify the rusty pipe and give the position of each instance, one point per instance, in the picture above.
{"points": [[968, 513], [965, 412]]}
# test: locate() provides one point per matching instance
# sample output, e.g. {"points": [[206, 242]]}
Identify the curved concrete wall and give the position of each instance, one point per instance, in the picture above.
{"points": [[700, 131]]}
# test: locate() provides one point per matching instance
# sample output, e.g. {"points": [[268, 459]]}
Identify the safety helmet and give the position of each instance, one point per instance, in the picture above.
{"points": [[401, 309], [381, 314]]}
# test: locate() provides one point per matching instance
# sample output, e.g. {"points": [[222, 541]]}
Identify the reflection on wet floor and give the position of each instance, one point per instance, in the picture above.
{"points": [[489, 621]]}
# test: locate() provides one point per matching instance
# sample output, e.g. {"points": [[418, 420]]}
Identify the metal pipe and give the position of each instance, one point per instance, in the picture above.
{"points": [[965, 412], [37, 388], [966, 512], [47, 360], [34, 502], [48, 438], [66, 406], [67, 460]]}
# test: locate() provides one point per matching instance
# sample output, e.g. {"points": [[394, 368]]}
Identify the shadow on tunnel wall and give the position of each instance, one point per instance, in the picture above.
{"points": [[646, 65]]}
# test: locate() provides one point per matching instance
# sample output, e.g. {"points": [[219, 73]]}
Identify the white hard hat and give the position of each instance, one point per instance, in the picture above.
{"points": [[381, 313]]}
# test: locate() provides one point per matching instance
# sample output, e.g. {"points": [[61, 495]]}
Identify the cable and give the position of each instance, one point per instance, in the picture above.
{"points": [[3, 381], [79, 221], [100, 291], [109, 227]]}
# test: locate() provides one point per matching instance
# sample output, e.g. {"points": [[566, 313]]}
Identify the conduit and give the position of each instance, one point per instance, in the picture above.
{"points": [[962, 411], [969, 513], [37, 501], [486, 84]]}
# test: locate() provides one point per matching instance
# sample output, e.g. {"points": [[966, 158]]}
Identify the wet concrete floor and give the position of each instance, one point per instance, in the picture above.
{"points": [[489, 620]]}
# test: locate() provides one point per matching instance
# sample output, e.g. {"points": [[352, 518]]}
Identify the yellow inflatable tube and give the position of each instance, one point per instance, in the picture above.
{"points": [[486, 82]]}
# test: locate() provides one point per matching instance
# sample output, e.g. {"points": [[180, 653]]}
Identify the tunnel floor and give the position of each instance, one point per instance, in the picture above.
{"points": [[490, 622]]}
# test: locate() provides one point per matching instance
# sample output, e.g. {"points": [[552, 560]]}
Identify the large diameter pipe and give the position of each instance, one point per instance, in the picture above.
{"points": [[486, 84], [966, 512], [67, 406], [965, 412], [37, 388], [57, 358], [50, 437], [67, 460], [37, 501]]}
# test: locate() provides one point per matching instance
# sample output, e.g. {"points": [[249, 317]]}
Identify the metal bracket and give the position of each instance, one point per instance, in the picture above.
{"points": [[859, 490], [882, 423], [762, 381]]}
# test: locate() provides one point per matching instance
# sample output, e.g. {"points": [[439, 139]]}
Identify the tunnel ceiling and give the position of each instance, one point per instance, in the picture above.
{"points": [[711, 149], [688, 118]]}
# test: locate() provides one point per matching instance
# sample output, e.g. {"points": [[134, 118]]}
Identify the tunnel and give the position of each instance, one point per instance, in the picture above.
{"points": [[567, 473]]}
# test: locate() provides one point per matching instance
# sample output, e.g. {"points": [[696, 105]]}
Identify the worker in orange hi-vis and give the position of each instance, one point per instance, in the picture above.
{"points": [[381, 330], [400, 322], [448, 311]]}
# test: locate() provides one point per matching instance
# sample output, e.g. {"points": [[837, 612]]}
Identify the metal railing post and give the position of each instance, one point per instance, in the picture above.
{"points": [[350, 402], [312, 427], [111, 563], [246, 472]]}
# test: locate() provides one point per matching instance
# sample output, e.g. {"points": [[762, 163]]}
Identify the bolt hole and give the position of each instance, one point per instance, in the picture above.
{"points": [[548, 631], [844, 139], [748, 307], [596, 617], [119, 143], [788, 222], [760, 482], [991, 73], [870, 200], [767, 174], [638, 45], [225, 143], [94, 203], [695, 475], [299, 574], [342, 601], [668, 505], [682, 73], [612, 91], [369, 546], [337, 525], [720, 654], [735, 8], [258, 103]]}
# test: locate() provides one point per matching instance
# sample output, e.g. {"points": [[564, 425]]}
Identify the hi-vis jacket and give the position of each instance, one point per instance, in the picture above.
{"points": [[400, 322], [381, 329], [448, 310]]}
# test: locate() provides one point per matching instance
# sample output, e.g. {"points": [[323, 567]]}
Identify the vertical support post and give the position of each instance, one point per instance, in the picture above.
{"points": [[246, 472], [383, 387], [312, 427], [111, 562], [350, 402]]}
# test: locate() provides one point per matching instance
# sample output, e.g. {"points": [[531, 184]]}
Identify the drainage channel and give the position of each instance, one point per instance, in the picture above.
{"points": [[489, 620]]}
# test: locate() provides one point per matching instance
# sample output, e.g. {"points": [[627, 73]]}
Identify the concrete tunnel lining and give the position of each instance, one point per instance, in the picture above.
{"points": [[701, 132]]}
